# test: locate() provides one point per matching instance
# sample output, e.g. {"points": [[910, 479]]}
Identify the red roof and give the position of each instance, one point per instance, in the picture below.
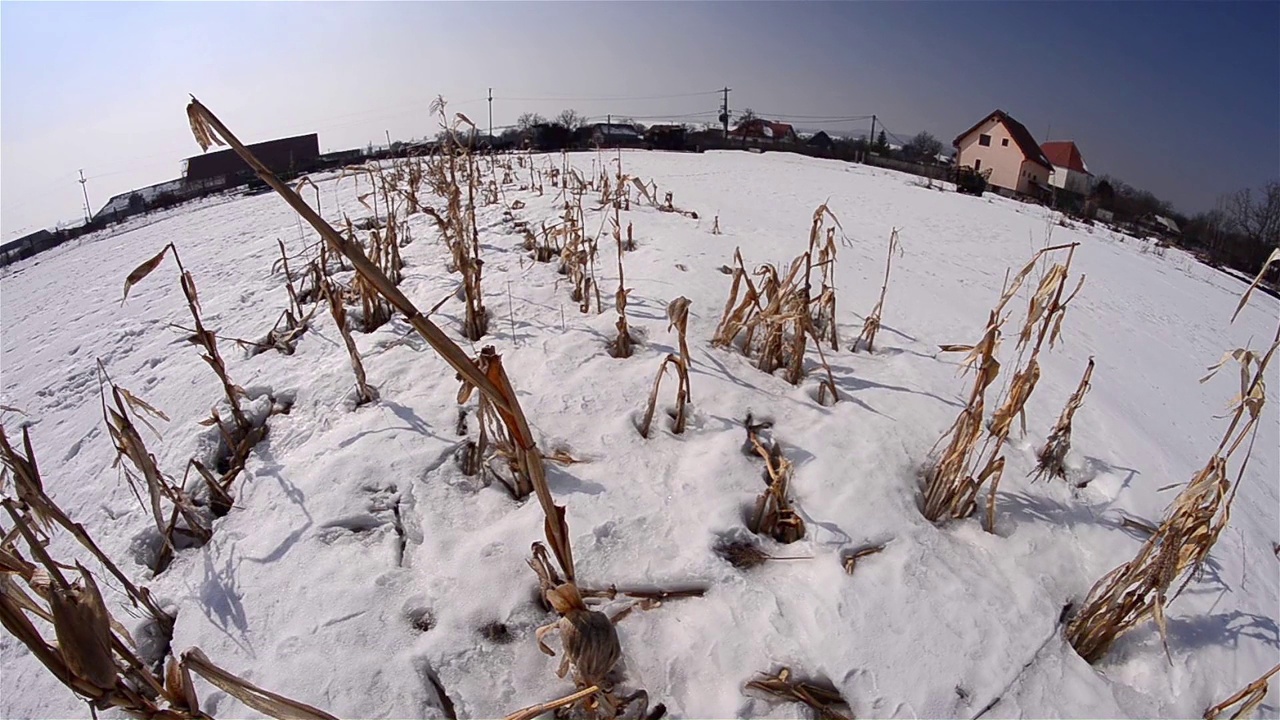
{"points": [[1064, 153], [1019, 132]]}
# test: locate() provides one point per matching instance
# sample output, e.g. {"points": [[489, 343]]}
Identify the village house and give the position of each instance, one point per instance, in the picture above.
{"points": [[761, 131], [1005, 147], [1069, 171]]}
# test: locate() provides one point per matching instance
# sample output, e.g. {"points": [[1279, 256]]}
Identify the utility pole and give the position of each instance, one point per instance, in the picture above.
{"points": [[725, 110], [85, 189], [388, 132], [608, 120], [490, 114], [872, 137]]}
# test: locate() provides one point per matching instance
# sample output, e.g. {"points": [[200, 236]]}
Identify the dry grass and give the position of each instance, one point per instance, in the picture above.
{"points": [[1249, 698], [871, 325], [1139, 589], [1051, 460], [821, 697]]}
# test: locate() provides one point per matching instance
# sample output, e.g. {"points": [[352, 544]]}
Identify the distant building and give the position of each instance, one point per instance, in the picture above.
{"points": [[665, 137], [821, 140], [283, 156], [607, 135], [765, 131], [160, 195], [1069, 171], [1005, 147], [27, 245], [1160, 226]]}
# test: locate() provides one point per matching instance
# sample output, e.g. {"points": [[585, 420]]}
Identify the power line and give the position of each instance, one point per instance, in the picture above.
{"points": [[613, 97], [826, 118]]}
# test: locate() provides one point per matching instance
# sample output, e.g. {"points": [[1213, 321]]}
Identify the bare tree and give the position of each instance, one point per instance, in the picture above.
{"points": [[1255, 215], [526, 121], [924, 145], [571, 119], [747, 116]]}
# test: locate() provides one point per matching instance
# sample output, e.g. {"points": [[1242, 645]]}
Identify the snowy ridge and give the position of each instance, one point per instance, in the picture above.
{"points": [[355, 529]]}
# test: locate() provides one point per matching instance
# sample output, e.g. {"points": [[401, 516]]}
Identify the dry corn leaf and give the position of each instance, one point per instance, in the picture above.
{"points": [[1274, 257], [83, 628], [142, 271], [264, 701]]}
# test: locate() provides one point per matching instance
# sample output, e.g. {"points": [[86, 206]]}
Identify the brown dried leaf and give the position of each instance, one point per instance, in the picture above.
{"points": [[264, 701], [142, 271]]}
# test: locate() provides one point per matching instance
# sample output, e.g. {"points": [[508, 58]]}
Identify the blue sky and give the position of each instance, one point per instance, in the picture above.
{"points": [[1182, 98]]}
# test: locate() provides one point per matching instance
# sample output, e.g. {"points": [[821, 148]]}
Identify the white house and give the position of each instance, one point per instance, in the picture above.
{"points": [[1069, 171]]}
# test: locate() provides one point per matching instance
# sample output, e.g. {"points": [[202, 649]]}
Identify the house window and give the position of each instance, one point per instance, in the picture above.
{"points": [[977, 164], [984, 140], [1004, 142]]}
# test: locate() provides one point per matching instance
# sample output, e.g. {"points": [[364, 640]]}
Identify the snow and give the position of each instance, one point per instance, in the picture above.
{"points": [[304, 588]]}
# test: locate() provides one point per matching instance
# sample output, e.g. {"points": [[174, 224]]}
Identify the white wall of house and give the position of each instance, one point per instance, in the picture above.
{"points": [[1071, 180], [1001, 155]]}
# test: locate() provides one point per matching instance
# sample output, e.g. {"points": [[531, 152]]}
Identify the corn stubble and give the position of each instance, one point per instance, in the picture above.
{"points": [[774, 514], [1140, 589], [963, 467], [678, 317], [773, 321]]}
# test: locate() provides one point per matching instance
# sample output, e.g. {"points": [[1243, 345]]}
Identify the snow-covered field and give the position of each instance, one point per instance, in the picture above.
{"points": [[305, 590]]}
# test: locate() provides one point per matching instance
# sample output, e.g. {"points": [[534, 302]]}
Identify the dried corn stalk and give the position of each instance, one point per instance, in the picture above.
{"points": [[500, 394], [1051, 460], [293, 322], [202, 337], [774, 514], [1139, 589], [682, 395], [773, 320], [146, 473], [963, 468], [333, 294], [35, 512], [1250, 697], [94, 656], [871, 325], [622, 344]]}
